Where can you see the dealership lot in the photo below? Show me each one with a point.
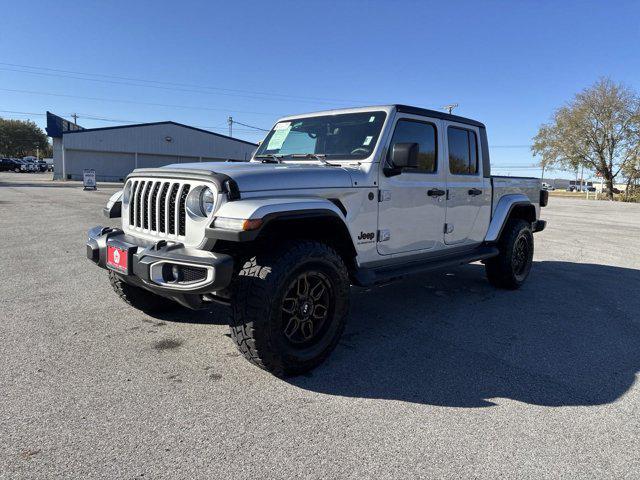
(436, 376)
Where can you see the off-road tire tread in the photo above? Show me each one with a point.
(498, 269)
(253, 298)
(138, 297)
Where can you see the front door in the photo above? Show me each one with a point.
(468, 193)
(412, 204)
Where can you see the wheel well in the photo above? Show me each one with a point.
(524, 212)
(329, 229)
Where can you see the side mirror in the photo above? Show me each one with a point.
(403, 155)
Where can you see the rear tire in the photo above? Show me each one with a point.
(289, 307)
(139, 297)
(511, 267)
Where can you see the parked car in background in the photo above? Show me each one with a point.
(32, 165)
(42, 165)
(12, 165)
(615, 190)
(546, 186)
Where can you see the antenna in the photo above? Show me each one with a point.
(450, 107)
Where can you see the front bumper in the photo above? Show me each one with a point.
(200, 272)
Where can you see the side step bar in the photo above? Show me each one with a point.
(366, 277)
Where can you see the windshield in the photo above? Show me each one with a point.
(347, 136)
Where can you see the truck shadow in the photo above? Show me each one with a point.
(570, 336)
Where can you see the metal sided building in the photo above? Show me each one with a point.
(113, 152)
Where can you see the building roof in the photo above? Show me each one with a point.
(57, 125)
(135, 125)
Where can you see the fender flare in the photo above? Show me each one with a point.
(270, 209)
(114, 205)
(501, 214)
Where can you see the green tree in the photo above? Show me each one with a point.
(631, 172)
(19, 138)
(599, 129)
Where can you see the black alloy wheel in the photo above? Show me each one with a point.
(305, 308)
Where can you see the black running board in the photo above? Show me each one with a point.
(366, 277)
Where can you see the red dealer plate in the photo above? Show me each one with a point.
(117, 259)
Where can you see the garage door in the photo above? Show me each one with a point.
(108, 165)
(151, 161)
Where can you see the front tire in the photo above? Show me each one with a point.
(290, 306)
(139, 297)
(511, 267)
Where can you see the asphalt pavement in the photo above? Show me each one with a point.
(437, 376)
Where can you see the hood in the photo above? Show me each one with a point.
(255, 176)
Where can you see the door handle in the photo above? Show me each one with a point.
(475, 191)
(435, 192)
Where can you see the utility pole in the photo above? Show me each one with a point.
(230, 122)
(75, 118)
(450, 107)
(582, 178)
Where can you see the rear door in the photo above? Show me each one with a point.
(411, 208)
(468, 192)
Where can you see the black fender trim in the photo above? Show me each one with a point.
(538, 225)
(250, 235)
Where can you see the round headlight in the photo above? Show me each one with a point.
(201, 202)
(207, 201)
(126, 194)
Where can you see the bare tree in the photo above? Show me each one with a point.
(598, 129)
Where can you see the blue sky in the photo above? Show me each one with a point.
(508, 64)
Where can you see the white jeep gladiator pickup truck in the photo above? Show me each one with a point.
(331, 199)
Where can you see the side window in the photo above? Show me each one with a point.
(463, 151)
(422, 133)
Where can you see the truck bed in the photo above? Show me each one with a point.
(529, 186)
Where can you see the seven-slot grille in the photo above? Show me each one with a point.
(158, 207)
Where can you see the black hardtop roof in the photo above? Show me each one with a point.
(437, 114)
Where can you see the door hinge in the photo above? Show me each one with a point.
(384, 195)
(384, 235)
(448, 228)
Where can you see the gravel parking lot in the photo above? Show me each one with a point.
(437, 376)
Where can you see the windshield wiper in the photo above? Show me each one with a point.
(317, 156)
(270, 158)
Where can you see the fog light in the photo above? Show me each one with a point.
(171, 273)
